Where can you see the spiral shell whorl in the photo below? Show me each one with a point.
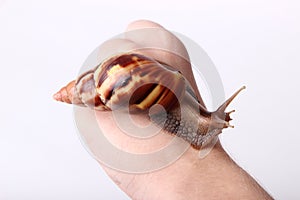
(138, 82)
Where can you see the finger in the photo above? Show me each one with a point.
(115, 46)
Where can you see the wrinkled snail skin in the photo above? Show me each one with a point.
(140, 82)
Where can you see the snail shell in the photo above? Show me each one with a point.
(140, 82)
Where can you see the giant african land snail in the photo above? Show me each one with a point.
(137, 81)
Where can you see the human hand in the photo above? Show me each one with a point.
(213, 177)
(188, 177)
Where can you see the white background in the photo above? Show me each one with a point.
(43, 44)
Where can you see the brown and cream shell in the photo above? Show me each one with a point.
(139, 82)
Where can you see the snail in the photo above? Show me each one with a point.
(140, 82)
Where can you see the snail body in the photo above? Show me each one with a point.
(139, 82)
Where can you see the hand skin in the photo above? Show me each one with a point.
(216, 176)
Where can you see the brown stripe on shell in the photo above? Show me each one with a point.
(127, 59)
(149, 78)
(141, 93)
(85, 86)
(122, 61)
(116, 72)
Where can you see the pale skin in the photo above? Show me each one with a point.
(216, 176)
